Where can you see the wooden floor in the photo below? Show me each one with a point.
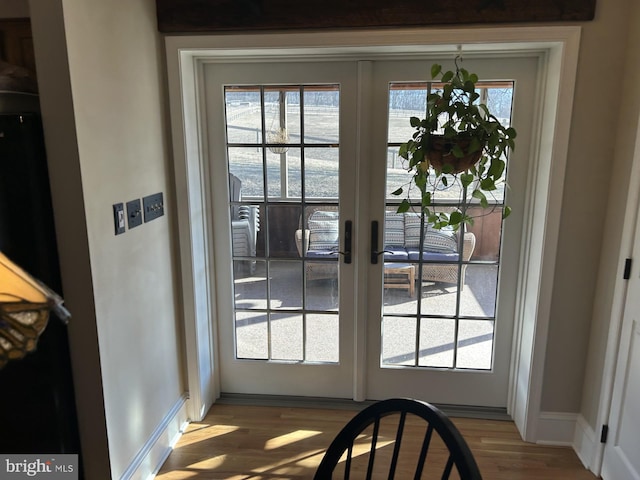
(237, 442)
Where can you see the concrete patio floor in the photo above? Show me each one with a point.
(285, 334)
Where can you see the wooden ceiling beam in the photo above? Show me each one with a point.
(201, 16)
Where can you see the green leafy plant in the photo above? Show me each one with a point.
(458, 142)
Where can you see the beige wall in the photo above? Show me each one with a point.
(594, 122)
(623, 132)
(107, 141)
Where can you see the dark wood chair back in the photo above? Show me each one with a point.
(399, 438)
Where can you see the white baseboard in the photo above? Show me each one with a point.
(587, 445)
(155, 451)
(571, 430)
(556, 428)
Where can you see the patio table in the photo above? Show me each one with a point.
(400, 275)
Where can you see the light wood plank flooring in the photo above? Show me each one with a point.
(237, 442)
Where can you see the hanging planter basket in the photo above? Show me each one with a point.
(277, 140)
(470, 141)
(440, 154)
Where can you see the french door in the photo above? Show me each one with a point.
(283, 135)
(450, 343)
(621, 451)
(303, 157)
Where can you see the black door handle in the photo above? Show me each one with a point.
(374, 244)
(348, 225)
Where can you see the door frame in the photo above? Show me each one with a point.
(557, 48)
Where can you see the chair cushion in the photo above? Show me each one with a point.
(395, 253)
(413, 255)
(393, 229)
(441, 241)
(323, 253)
(323, 230)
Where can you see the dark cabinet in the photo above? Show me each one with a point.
(37, 409)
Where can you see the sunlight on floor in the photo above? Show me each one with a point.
(198, 431)
(289, 438)
(209, 463)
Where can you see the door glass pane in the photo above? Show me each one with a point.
(406, 100)
(276, 176)
(438, 298)
(397, 174)
(252, 335)
(280, 227)
(398, 341)
(439, 285)
(321, 108)
(293, 172)
(284, 243)
(282, 117)
(322, 337)
(243, 115)
(286, 336)
(321, 285)
(285, 285)
(321, 172)
(475, 344)
(479, 295)
(246, 165)
(437, 341)
(250, 285)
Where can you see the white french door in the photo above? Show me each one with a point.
(451, 342)
(282, 133)
(622, 451)
(302, 154)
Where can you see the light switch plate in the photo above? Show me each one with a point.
(153, 206)
(134, 213)
(118, 218)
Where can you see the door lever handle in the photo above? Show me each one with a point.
(346, 255)
(374, 244)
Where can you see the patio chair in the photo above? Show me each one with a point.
(245, 224)
(319, 239)
(402, 241)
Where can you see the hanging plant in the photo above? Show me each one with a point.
(277, 140)
(458, 142)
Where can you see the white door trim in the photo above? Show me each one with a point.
(196, 258)
(540, 236)
(560, 46)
